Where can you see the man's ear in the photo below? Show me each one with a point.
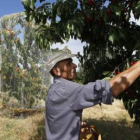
(57, 71)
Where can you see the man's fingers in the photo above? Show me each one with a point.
(84, 124)
(82, 130)
(85, 129)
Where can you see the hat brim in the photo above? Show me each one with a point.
(51, 64)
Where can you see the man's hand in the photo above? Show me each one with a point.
(84, 127)
(89, 132)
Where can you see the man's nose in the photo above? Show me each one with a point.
(74, 65)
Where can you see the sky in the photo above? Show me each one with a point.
(8, 7)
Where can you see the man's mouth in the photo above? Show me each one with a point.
(73, 71)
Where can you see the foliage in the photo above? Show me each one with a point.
(21, 73)
(87, 20)
(80, 75)
(103, 24)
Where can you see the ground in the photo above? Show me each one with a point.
(112, 121)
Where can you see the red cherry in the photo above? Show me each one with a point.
(113, 0)
(118, 72)
(131, 95)
(90, 2)
(109, 12)
(125, 10)
(132, 63)
(88, 19)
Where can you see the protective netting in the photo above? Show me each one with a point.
(23, 80)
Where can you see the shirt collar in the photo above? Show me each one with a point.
(58, 79)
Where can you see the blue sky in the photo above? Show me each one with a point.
(10, 6)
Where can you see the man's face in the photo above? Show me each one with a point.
(67, 69)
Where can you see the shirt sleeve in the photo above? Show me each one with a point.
(84, 96)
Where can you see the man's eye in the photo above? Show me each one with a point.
(68, 63)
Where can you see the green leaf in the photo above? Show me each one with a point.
(127, 63)
(111, 38)
(25, 2)
(106, 72)
(137, 46)
(32, 5)
(106, 78)
(121, 33)
(41, 1)
(138, 6)
(137, 11)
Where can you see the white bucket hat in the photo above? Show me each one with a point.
(56, 57)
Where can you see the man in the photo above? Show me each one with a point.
(66, 99)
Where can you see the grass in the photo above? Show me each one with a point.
(113, 122)
(30, 128)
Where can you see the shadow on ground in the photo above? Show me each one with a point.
(110, 130)
(116, 130)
